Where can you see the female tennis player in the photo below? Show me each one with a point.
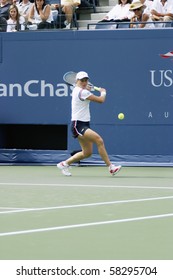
(80, 126)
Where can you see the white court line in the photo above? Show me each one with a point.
(86, 225)
(87, 204)
(84, 185)
(12, 208)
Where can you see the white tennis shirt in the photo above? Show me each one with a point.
(80, 109)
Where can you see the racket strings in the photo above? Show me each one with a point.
(70, 78)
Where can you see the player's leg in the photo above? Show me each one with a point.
(94, 137)
(86, 142)
(86, 152)
(78, 130)
(86, 146)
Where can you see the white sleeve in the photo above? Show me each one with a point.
(84, 94)
(170, 9)
(9, 26)
(154, 6)
(112, 13)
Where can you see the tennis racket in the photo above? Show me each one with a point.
(70, 79)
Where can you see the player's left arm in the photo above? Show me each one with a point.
(98, 99)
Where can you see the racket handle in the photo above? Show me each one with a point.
(97, 88)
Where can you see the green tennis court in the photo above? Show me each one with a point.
(91, 215)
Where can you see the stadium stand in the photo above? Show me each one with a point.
(87, 16)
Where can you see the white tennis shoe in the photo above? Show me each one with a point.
(64, 168)
(113, 169)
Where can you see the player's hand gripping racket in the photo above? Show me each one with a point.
(70, 79)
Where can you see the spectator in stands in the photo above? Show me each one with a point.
(15, 21)
(67, 7)
(162, 10)
(140, 18)
(4, 7)
(3, 24)
(40, 14)
(148, 4)
(24, 7)
(119, 13)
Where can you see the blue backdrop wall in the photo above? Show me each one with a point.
(130, 64)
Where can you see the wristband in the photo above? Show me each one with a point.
(103, 93)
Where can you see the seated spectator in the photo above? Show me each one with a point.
(3, 24)
(24, 8)
(162, 10)
(40, 15)
(68, 7)
(119, 13)
(4, 7)
(15, 21)
(140, 17)
(148, 4)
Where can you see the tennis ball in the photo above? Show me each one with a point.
(121, 116)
